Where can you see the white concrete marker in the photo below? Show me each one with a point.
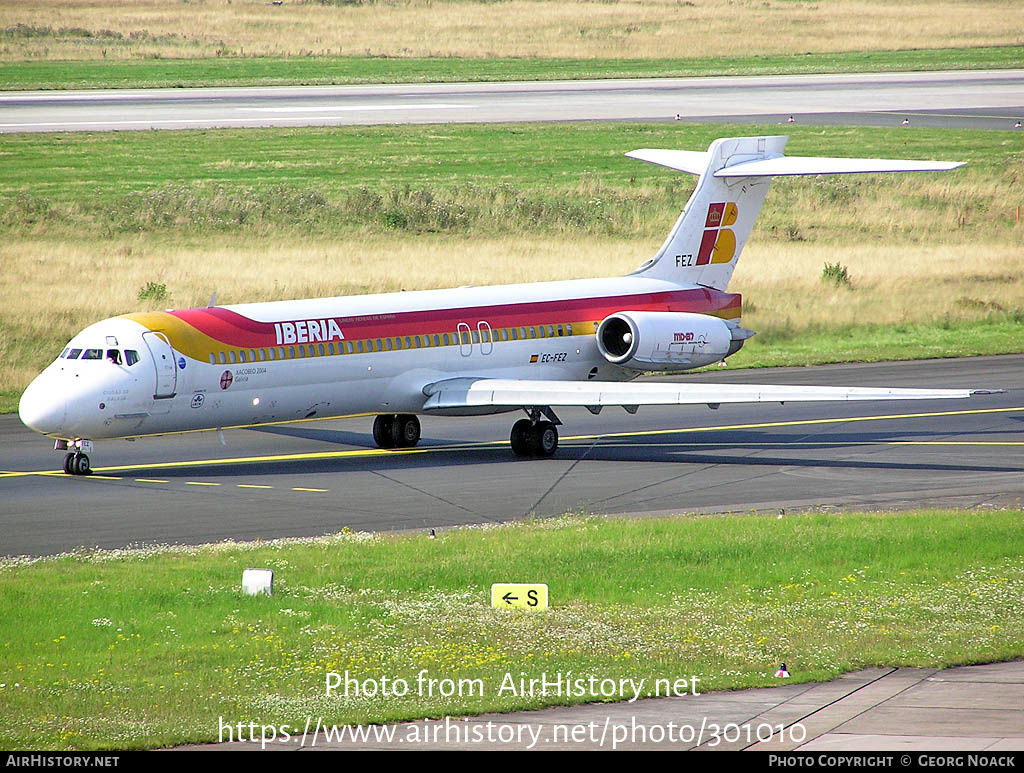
(256, 581)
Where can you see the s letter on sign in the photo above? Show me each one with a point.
(519, 595)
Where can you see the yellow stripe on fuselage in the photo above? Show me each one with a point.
(183, 337)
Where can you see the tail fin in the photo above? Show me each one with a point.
(735, 174)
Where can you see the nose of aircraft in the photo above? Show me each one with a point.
(43, 406)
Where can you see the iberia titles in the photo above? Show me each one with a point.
(307, 331)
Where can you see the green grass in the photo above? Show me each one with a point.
(9, 400)
(147, 648)
(188, 73)
(326, 179)
(782, 346)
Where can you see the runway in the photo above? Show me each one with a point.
(973, 99)
(318, 477)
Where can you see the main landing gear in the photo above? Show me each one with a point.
(396, 431)
(77, 464)
(533, 437)
(530, 437)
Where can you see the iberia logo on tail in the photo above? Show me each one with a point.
(719, 243)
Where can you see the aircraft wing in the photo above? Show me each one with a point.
(514, 393)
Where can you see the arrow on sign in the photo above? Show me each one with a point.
(519, 595)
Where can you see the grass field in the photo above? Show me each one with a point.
(314, 71)
(149, 647)
(632, 29)
(933, 261)
(148, 43)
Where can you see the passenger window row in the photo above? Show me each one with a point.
(369, 345)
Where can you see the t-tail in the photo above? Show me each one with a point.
(734, 175)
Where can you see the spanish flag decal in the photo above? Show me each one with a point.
(719, 243)
(534, 358)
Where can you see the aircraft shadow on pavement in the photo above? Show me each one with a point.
(718, 447)
(340, 437)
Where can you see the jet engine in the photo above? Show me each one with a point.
(666, 340)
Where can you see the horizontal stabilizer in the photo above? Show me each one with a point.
(696, 162)
(515, 393)
(691, 161)
(797, 165)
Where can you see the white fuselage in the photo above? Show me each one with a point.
(269, 362)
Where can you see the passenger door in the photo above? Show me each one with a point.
(163, 358)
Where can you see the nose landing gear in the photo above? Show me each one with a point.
(77, 460)
(77, 464)
(396, 431)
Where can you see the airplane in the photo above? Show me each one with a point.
(466, 351)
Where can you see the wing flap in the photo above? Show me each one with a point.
(512, 393)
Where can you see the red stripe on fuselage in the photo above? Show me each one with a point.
(236, 330)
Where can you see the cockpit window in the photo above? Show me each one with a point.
(73, 354)
(93, 354)
(130, 357)
(114, 356)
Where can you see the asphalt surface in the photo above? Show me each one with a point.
(975, 99)
(915, 712)
(317, 477)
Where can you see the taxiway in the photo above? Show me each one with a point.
(970, 99)
(318, 477)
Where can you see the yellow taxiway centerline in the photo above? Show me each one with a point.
(784, 444)
(496, 444)
(801, 423)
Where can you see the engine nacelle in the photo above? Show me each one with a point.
(667, 340)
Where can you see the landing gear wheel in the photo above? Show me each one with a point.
(408, 430)
(80, 465)
(69, 462)
(401, 431)
(522, 438)
(383, 431)
(545, 438)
